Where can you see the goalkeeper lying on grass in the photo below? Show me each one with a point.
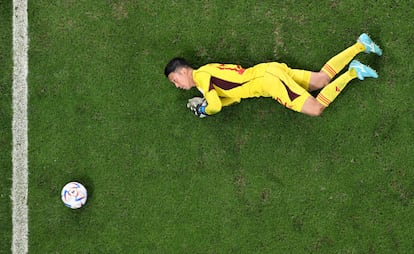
(225, 84)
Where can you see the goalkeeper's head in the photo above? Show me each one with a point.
(175, 65)
(179, 72)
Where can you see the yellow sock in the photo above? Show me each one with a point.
(338, 62)
(328, 94)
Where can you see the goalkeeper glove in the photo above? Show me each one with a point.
(193, 102)
(198, 106)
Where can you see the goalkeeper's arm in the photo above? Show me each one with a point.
(209, 105)
(213, 103)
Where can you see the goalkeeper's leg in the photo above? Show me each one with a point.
(315, 106)
(322, 78)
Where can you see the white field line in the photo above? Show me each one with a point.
(20, 128)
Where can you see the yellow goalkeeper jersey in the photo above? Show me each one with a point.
(225, 84)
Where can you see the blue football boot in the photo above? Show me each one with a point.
(370, 46)
(362, 70)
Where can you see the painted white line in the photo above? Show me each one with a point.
(20, 128)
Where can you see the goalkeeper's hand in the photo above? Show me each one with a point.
(193, 102)
(198, 106)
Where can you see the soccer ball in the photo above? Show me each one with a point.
(74, 195)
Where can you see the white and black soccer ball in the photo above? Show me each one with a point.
(74, 195)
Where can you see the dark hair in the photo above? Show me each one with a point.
(174, 64)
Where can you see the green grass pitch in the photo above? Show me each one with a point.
(256, 178)
(6, 69)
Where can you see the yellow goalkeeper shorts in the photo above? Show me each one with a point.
(287, 86)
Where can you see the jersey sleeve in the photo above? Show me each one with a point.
(213, 100)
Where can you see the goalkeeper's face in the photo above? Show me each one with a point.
(182, 78)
